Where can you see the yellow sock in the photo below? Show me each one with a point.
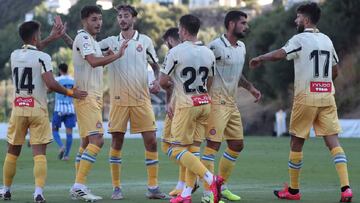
(188, 160)
(295, 163)
(165, 147)
(208, 159)
(86, 162)
(9, 169)
(115, 166)
(227, 163)
(190, 177)
(77, 159)
(340, 162)
(182, 173)
(152, 165)
(40, 170)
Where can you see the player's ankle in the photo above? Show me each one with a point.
(344, 188)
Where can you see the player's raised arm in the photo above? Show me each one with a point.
(57, 31)
(95, 61)
(271, 56)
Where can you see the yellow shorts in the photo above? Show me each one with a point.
(38, 126)
(224, 123)
(89, 116)
(142, 118)
(189, 124)
(324, 120)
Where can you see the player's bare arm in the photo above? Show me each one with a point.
(209, 83)
(155, 88)
(243, 82)
(271, 56)
(68, 40)
(57, 31)
(53, 85)
(102, 61)
(335, 69)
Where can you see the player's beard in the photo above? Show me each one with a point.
(300, 28)
(239, 35)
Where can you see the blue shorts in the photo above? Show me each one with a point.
(68, 119)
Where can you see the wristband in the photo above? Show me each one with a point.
(69, 92)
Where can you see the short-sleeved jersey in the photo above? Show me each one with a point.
(314, 56)
(63, 103)
(229, 66)
(128, 75)
(189, 65)
(86, 77)
(30, 92)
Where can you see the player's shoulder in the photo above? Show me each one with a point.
(82, 34)
(217, 42)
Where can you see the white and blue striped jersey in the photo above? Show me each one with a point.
(64, 104)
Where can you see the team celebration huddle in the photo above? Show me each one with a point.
(201, 83)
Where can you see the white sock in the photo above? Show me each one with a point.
(79, 186)
(153, 187)
(180, 185)
(223, 187)
(186, 191)
(208, 177)
(6, 188)
(38, 191)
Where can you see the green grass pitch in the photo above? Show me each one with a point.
(261, 168)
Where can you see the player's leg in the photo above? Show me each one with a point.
(115, 163)
(89, 116)
(301, 121)
(40, 170)
(70, 122)
(84, 142)
(327, 125)
(40, 137)
(182, 129)
(56, 124)
(9, 170)
(119, 117)
(233, 134)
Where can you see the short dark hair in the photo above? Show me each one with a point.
(311, 10)
(28, 29)
(171, 32)
(232, 16)
(86, 11)
(191, 23)
(127, 7)
(63, 67)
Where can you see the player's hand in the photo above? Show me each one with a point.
(58, 29)
(255, 62)
(155, 87)
(123, 46)
(79, 94)
(256, 93)
(169, 110)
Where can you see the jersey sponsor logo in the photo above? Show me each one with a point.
(201, 99)
(98, 125)
(320, 87)
(139, 48)
(24, 101)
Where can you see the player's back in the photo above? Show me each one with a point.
(314, 56)
(193, 63)
(27, 65)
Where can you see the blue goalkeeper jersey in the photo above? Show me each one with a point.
(64, 104)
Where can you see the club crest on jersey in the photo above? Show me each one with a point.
(98, 124)
(139, 48)
(86, 37)
(212, 131)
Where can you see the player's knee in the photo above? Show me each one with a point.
(151, 145)
(236, 145)
(213, 145)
